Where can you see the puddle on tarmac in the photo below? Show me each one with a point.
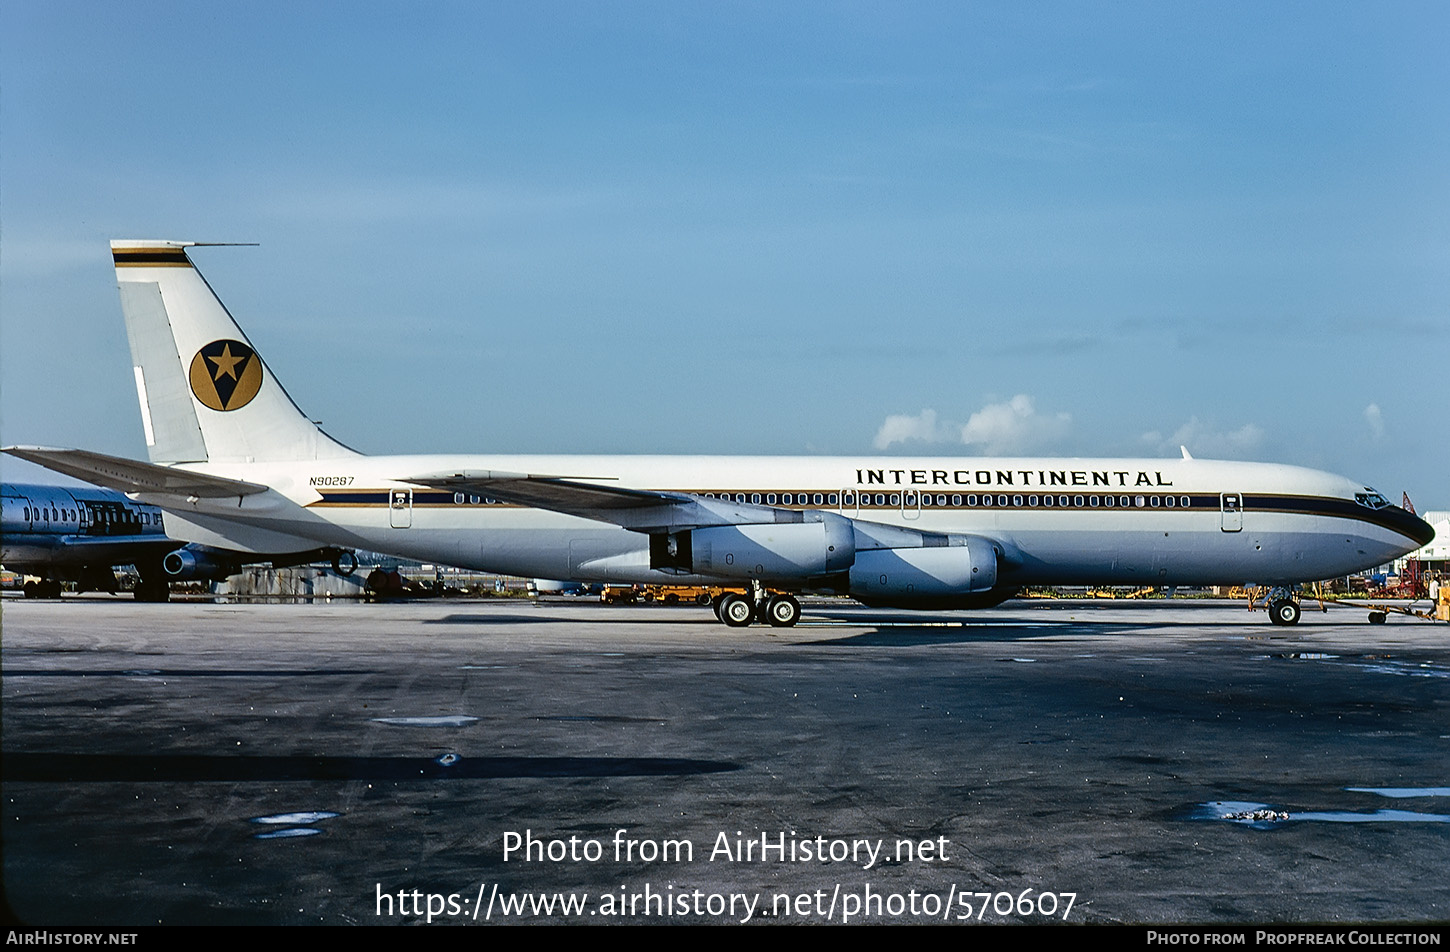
(280, 819)
(1261, 816)
(1411, 669)
(447, 760)
(1401, 793)
(444, 720)
(290, 822)
(288, 833)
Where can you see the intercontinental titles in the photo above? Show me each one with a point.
(1010, 477)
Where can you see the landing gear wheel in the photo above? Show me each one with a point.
(736, 610)
(344, 563)
(1284, 611)
(782, 611)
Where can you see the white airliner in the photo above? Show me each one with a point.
(236, 465)
(79, 533)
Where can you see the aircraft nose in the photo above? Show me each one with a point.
(1414, 527)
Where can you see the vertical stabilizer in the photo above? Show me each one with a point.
(205, 393)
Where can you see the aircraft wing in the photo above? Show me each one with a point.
(637, 509)
(133, 476)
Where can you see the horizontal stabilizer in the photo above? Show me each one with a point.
(131, 476)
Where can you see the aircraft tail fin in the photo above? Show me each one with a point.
(205, 393)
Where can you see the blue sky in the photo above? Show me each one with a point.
(844, 228)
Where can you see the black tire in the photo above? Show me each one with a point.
(782, 611)
(1285, 611)
(1378, 618)
(702, 599)
(736, 610)
(344, 563)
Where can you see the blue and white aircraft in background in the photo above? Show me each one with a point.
(236, 465)
(81, 533)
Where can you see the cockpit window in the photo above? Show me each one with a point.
(1371, 499)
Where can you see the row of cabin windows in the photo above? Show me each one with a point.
(38, 513)
(928, 500)
(957, 500)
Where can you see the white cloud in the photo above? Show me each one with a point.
(900, 428)
(1014, 426)
(1376, 420)
(1205, 440)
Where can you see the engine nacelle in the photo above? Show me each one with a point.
(792, 550)
(962, 574)
(190, 565)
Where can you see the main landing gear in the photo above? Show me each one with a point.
(1283, 607)
(738, 609)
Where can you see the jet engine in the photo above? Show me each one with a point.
(961, 574)
(190, 565)
(785, 551)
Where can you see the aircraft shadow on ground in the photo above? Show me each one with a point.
(190, 768)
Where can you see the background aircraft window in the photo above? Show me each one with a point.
(1016, 500)
(755, 498)
(896, 499)
(820, 498)
(1001, 500)
(458, 499)
(1032, 500)
(1108, 502)
(1140, 502)
(770, 499)
(956, 499)
(1124, 501)
(1154, 502)
(833, 499)
(986, 499)
(1093, 501)
(1184, 501)
(1077, 501)
(1169, 501)
(739, 497)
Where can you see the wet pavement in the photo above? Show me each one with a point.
(501, 761)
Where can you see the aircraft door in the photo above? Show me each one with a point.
(15, 514)
(1231, 512)
(911, 505)
(400, 508)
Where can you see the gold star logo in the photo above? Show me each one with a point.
(226, 375)
(226, 364)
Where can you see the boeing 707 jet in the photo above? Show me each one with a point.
(236, 465)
